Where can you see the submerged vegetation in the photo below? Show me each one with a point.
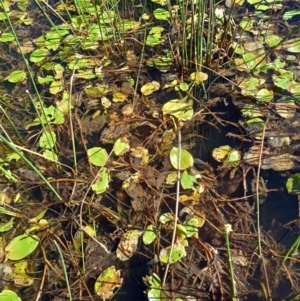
(110, 157)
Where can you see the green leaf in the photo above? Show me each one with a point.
(161, 14)
(8, 295)
(16, 76)
(290, 14)
(45, 80)
(107, 282)
(187, 181)
(7, 37)
(166, 217)
(149, 235)
(101, 184)
(56, 87)
(21, 246)
(121, 146)
(293, 184)
(97, 156)
(292, 45)
(38, 55)
(186, 159)
(7, 226)
(177, 253)
(47, 140)
(179, 108)
(149, 88)
(191, 226)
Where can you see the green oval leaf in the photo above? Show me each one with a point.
(8, 295)
(16, 76)
(149, 235)
(97, 156)
(186, 159)
(21, 246)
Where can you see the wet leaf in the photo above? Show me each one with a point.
(8, 295)
(56, 87)
(290, 14)
(286, 107)
(292, 45)
(19, 276)
(128, 244)
(161, 14)
(198, 77)
(102, 183)
(107, 282)
(178, 252)
(186, 159)
(97, 156)
(182, 109)
(21, 246)
(191, 226)
(7, 37)
(47, 140)
(50, 154)
(293, 184)
(220, 153)
(149, 235)
(16, 76)
(121, 146)
(264, 95)
(149, 88)
(38, 55)
(187, 181)
(166, 217)
(233, 158)
(6, 226)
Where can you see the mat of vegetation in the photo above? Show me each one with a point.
(104, 107)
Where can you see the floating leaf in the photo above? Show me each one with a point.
(233, 158)
(149, 88)
(161, 14)
(191, 226)
(97, 156)
(47, 140)
(166, 217)
(128, 244)
(186, 159)
(8, 295)
(21, 246)
(19, 277)
(286, 107)
(293, 184)
(38, 55)
(149, 235)
(198, 77)
(16, 76)
(56, 87)
(178, 252)
(107, 282)
(7, 37)
(7, 226)
(102, 182)
(121, 146)
(187, 181)
(292, 45)
(179, 108)
(220, 153)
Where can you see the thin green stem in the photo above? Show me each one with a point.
(64, 269)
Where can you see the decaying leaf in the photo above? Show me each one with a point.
(107, 282)
(128, 244)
